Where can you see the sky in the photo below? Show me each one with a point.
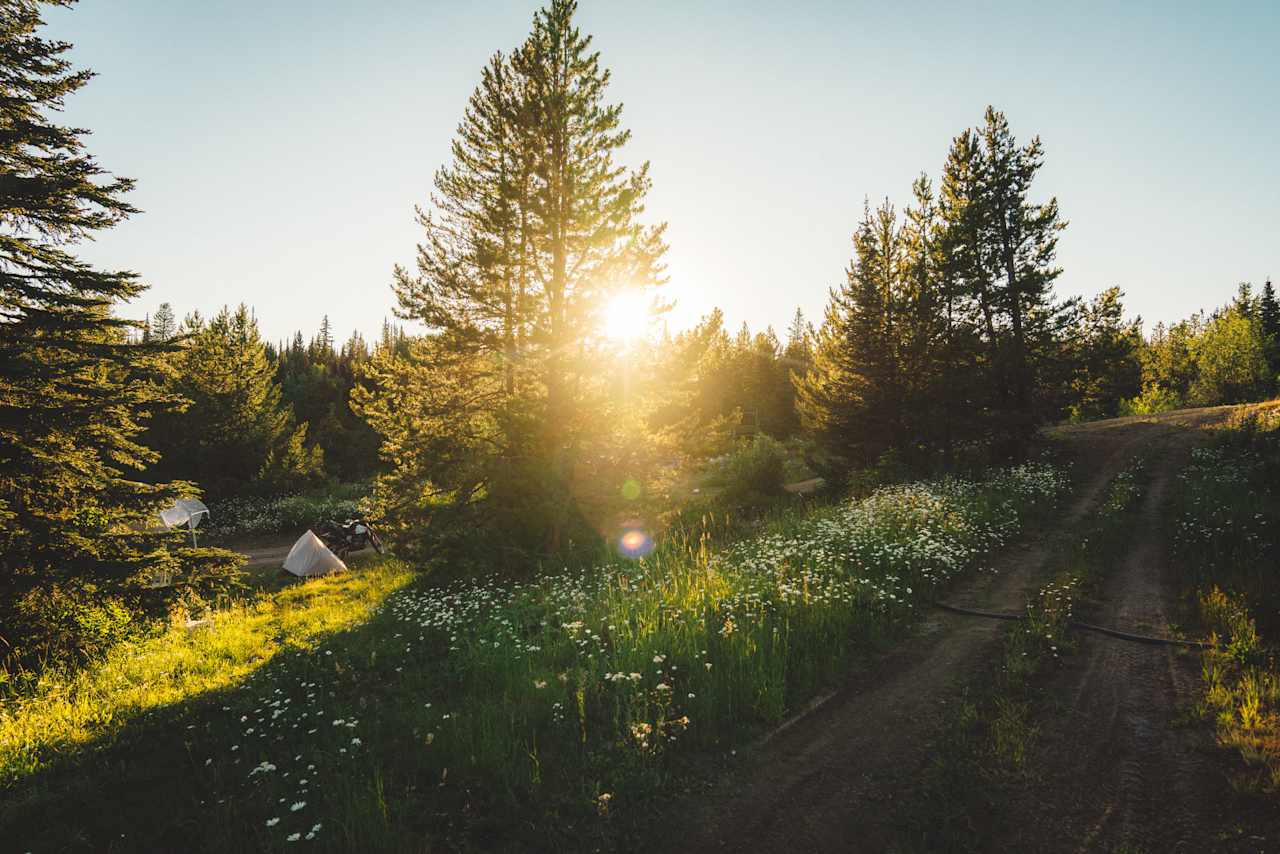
(280, 147)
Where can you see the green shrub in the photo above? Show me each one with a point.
(753, 474)
(66, 621)
(1154, 399)
(238, 517)
(1227, 618)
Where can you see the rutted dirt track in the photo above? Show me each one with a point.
(1122, 766)
(1119, 774)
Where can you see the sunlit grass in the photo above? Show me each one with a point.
(67, 710)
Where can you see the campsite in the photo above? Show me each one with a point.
(612, 427)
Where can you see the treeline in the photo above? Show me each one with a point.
(1229, 356)
(258, 418)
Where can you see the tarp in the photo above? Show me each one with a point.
(185, 513)
(309, 556)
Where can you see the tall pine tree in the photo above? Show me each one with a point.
(851, 398)
(1021, 239)
(74, 394)
(533, 228)
(1269, 321)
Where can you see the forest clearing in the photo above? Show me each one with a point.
(624, 685)
(588, 538)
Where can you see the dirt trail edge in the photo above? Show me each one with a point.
(827, 782)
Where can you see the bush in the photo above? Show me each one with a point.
(66, 621)
(753, 475)
(1154, 399)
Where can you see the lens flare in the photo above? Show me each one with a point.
(635, 543)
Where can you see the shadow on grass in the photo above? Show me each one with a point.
(166, 779)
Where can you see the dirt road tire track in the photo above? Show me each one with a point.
(828, 782)
(1122, 766)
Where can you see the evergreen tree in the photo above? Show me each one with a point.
(997, 270)
(850, 400)
(1269, 320)
(1269, 311)
(164, 325)
(1245, 302)
(799, 350)
(534, 228)
(321, 348)
(237, 435)
(1021, 240)
(74, 393)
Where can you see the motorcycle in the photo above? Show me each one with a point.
(348, 536)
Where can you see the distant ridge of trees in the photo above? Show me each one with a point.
(259, 418)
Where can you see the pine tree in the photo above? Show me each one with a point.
(1269, 311)
(799, 333)
(74, 393)
(1021, 240)
(237, 435)
(1269, 321)
(164, 325)
(850, 400)
(1245, 302)
(534, 228)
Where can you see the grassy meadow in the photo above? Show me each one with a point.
(372, 710)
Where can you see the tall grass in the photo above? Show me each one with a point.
(1227, 533)
(487, 709)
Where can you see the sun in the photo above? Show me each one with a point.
(626, 317)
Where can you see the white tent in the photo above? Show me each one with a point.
(309, 556)
(185, 513)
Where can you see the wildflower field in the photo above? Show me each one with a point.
(486, 714)
(254, 515)
(1227, 533)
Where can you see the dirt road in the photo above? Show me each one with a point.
(1120, 775)
(1122, 766)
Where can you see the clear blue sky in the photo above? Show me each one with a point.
(280, 146)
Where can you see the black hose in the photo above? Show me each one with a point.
(1129, 636)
